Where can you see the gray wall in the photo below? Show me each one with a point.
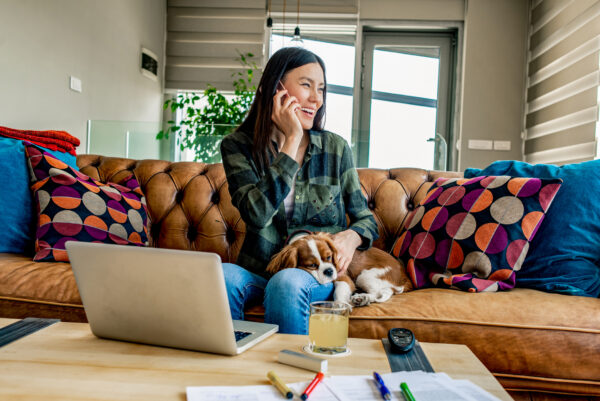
(43, 42)
(493, 90)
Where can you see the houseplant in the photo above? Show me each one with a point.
(204, 124)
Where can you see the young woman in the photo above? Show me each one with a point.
(286, 173)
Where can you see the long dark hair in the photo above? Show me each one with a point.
(259, 120)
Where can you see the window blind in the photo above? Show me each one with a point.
(328, 20)
(204, 37)
(561, 119)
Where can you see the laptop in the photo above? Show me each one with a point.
(160, 297)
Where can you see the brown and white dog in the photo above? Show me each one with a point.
(377, 273)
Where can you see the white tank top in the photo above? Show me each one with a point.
(288, 202)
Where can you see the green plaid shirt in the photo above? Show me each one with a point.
(326, 189)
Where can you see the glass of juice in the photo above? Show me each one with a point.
(328, 327)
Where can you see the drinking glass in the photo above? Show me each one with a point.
(328, 327)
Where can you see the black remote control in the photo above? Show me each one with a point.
(401, 340)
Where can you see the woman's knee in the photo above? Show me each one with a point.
(291, 280)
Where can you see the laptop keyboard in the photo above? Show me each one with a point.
(240, 334)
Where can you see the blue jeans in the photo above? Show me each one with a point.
(286, 296)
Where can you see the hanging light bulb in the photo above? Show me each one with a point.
(269, 19)
(297, 39)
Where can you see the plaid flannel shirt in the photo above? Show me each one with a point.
(326, 189)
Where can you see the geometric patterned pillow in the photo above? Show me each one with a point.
(473, 234)
(74, 207)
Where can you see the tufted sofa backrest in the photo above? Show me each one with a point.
(190, 206)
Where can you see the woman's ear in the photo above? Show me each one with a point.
(286, 258)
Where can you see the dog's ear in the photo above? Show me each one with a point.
(328, 238)
(286, 258)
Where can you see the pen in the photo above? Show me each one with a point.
(311, 386)
(283, 389)
(385, 393)
(406, 392)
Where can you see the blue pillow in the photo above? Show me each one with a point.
(17, 214)
(565, 252)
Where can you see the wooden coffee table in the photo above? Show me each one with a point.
(67, 362)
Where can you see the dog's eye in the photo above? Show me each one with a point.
(314, 266)
(328, 259)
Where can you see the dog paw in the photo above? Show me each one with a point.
(360, 299)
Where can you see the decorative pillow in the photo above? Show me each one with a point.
(74, 207)
(473, 234)
(18, 223)
(564, 257)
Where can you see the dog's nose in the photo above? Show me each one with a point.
(328, 272)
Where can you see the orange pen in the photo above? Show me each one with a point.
(311, 386)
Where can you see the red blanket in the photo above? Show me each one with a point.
(55, 140)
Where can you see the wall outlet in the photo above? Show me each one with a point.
(480, 144)
(75, 84)
(501, 145)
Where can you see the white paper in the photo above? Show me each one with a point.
(424, 386)
(323, 392)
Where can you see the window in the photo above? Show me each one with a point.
(406, 100)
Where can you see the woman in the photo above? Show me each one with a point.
(285, 173)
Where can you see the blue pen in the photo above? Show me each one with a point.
(385, 393)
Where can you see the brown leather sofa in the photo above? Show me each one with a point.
(533, 342)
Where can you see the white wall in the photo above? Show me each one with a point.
(43, 42)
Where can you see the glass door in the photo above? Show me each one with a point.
(405, 108)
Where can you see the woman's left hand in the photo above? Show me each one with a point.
(346, 243)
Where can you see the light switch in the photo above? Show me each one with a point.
(75, 84)
(501, 145)
(480, 144)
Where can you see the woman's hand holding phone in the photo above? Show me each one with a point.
(284, 114)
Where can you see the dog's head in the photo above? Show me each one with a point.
(314, 253)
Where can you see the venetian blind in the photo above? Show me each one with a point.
(204, 37)
(326, 20)
(561, 122)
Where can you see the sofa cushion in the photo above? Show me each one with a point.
(564, 254)
(473, 234)
(35, 289)
(18, 223)
(73, 207)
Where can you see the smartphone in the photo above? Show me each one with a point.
(280, 87)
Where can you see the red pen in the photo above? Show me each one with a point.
(311, 386)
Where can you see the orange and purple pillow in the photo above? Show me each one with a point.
(473, 234)
(74, 207)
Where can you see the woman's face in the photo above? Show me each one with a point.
(307, 84)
